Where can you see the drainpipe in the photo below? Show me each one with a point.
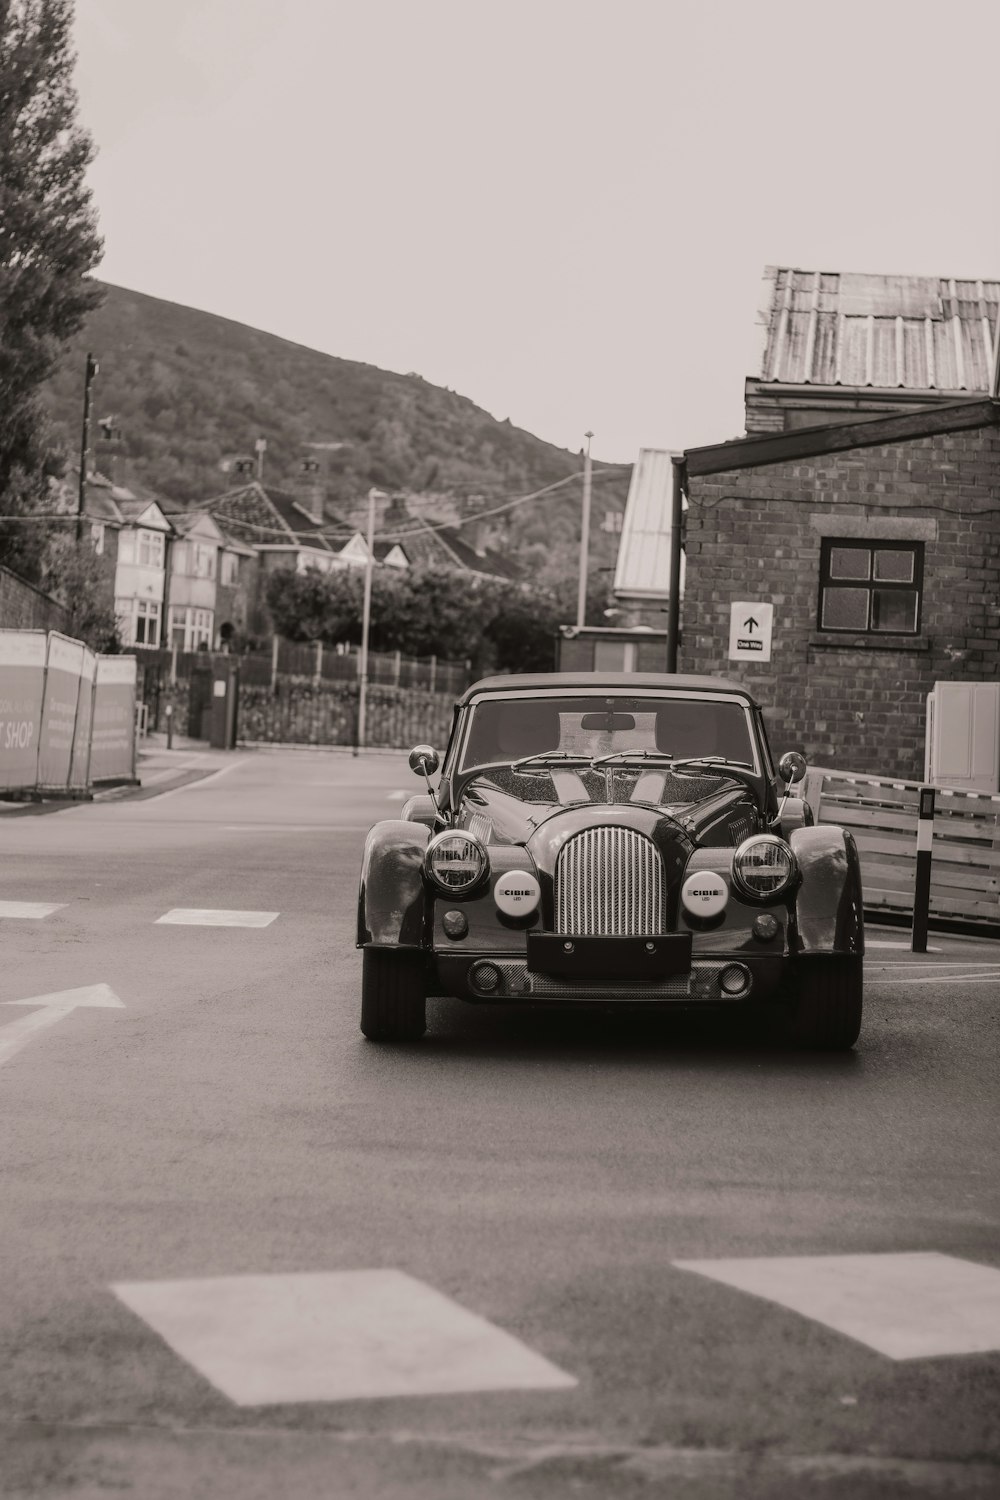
(674, 596)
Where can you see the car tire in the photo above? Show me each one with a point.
(393, 1001)
(828, 1015)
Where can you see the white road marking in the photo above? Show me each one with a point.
(945, 979)
(296, 827)
(944, 964)
(36, 909)
(52, 1008)
(913, 1305)
(396, 796)
(335, 1336)
(196, 786)
(905, 946)
(197, 916)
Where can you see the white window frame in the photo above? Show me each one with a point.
(150, 612)
(149, 548)
(203, 556)
(197, 625)
(229, 571)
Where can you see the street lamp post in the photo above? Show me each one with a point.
(366, 616)
(581, 593)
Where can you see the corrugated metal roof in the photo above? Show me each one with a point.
(888, 332)
(643, 568)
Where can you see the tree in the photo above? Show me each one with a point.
(522, 631)
(48, 245)
(74, 576)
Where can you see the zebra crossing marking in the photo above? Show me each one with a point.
(912, 1305)
(197, 916)
(334, 1336)
(33, 909)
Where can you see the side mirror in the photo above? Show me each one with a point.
(792, 767)
(424, 760)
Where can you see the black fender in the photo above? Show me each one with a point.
(419, 808)
(829, 911)
(392, 898)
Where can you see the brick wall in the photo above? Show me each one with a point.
(23, 607)
(850, 703)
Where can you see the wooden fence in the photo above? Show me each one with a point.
(882, 815)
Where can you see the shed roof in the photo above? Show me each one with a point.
(643, 567)
(887, 332)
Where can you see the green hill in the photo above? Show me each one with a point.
(188, 388)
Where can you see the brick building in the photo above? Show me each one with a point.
(878, 542)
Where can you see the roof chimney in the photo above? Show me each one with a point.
(309, 489)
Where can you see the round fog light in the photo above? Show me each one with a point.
(485, 977)
(455, 924)
(734, 980)
(765, 927)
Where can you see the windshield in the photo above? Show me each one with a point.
(502, 730)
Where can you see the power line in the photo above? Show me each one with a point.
(419, 529)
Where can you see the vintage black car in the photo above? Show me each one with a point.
(613, 839)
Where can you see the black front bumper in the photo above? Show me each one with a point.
(515, 983)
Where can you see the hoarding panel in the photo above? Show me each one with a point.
(59, 708)
(22, 684)
(112, 756)
(78, 776)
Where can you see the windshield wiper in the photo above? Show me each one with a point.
(716, 763)
(627, 755)
(545, 757)
(713, 760)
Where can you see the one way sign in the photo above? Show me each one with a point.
(750, 625)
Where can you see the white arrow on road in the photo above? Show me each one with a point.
(52, 1008)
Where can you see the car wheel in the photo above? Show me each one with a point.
(828, 1016)
(393, 1002)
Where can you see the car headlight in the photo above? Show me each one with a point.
(764, 867)
(456, 863)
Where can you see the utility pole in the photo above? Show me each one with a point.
(81, 494)
(366, 617)
(581, 593)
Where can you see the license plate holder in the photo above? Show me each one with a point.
(570, 957)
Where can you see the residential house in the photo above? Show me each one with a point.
(130, 534)
(443, 545)
(209, 585)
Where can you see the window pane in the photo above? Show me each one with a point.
(845, 609)
(894, 609)
(850, 562)
(895, 566)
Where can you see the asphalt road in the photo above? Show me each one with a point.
(545, 1173)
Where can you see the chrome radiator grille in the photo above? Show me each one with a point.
(609, 883)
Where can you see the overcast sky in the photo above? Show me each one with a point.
(559, 208)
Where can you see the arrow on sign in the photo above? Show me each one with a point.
(52, 1008)
(751, 625)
